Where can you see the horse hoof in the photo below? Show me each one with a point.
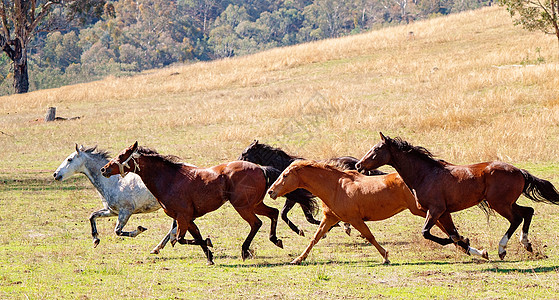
(348, 231)
(386, 262)
(529, 247)
(154, 251)
(209, 243)
(210, 263)
(502, 255)
(96, 242)
(296, 261)
(301, 232)
(173, 242)
(245, 254)
(279, 243)
(141, 229)
(484, 254)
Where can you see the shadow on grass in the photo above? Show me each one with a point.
(523, 270)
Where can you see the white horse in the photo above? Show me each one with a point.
(120, 196)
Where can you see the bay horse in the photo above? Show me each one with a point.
(347, 196)
(187, 192)
(121, 197)
(266, 155)
(441, 188)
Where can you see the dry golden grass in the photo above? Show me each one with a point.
(451, 88)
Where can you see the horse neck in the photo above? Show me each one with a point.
(412, 169)
(156, 174)
(319, 181)
(275, 158)
(92, 170)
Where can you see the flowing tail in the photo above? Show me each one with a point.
(539, 190)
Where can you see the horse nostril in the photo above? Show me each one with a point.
(358, 166)
(54, 174)
(103, 170)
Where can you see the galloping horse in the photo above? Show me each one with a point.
(347, 196)
(120, 196)
(267, 155)
(187, 192)
(441, 188)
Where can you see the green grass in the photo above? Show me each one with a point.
(46, 252)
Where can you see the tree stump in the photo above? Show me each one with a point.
(51, 114)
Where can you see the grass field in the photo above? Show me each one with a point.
(470, 87)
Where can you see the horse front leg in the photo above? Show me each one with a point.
(195, 232)
(446, 221)
(123, 217)
(171, 236)
(102, 213)
(327, 222)
(430, 221)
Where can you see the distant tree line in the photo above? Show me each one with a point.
(134, 35)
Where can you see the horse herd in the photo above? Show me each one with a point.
(352, 191)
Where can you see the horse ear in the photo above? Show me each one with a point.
(255, 142)
(135, 146)
(77, 149)
(382, 137)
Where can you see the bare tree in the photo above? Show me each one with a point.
(22, 19)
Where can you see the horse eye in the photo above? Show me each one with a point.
(70, 159)
(284, 175)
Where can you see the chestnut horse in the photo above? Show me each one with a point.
(441, 188)
(266, 155)
(347, 196)
(186, 192)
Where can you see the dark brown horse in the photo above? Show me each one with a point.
(441, 188)
(347, 196)
(186, 192)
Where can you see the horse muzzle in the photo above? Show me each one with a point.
(272, 194)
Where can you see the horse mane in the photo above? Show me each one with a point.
(328, 165)
(271, 156)
(277, 151)
(94, 151)
(172, 159)
(418, 151)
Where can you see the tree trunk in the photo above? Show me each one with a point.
(51, 114)
(21, 77)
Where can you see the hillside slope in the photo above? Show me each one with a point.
(454, 86)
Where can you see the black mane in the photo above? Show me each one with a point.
(418, 151)
(264, 154)
(173, 159)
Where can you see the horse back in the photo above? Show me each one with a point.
(244, 180)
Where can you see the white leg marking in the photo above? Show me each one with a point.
(503, 244)
(524, 239)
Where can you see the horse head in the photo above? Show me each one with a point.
(288, 181)
(73, 164)
(378, 156)
(123, 163)
(250, 152)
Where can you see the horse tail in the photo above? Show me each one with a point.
(271, 174)
(539, 190)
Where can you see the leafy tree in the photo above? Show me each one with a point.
(535, 15)
(22, 19)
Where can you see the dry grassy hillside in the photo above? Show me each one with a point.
(451, 87)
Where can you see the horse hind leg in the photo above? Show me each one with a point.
(286, 208)
(255, 224)
(102, 213)
(366, 233)
(123, 217)
(171, 236)
(272, 214)
(515, 214)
